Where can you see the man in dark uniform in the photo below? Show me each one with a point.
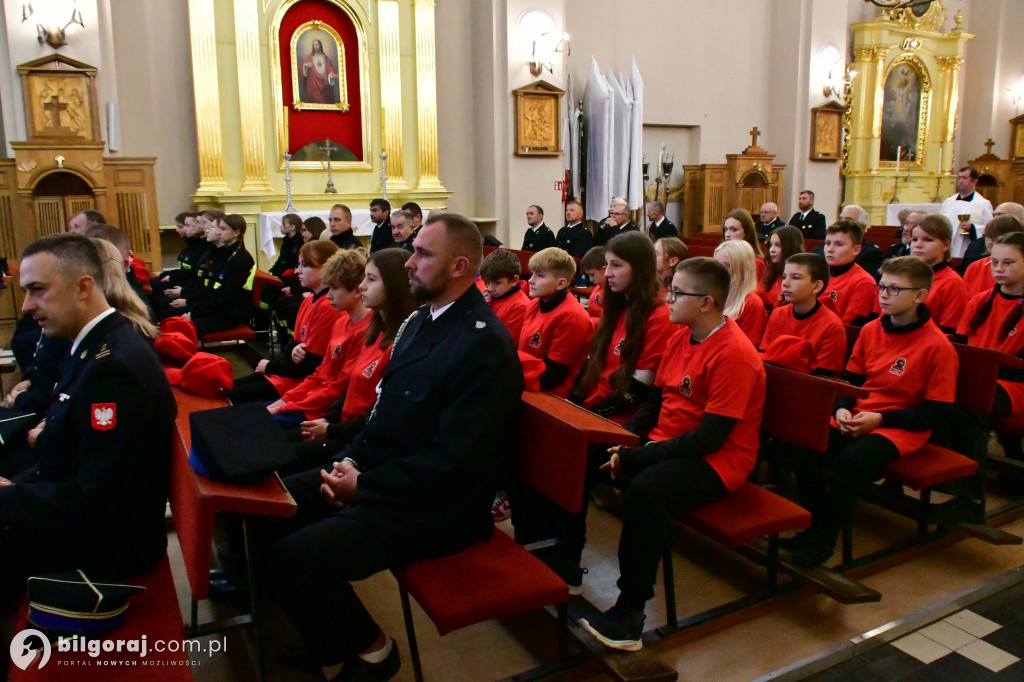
(340, 225)
(539, 236)
(768, 221)
(811, 222)
(420, 478)
(660, 226)
(94, 499)
(414, 210)
(402, 230)
(575, 237)
(380, 214)
(616, 223)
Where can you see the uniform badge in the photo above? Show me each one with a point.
(534, 340)
(63, 396)
(618, 347)
(480, 324)
(84, 355)
(597, 300)
(368, 372)
(898, 367)
(834, 295)
(686, 387)
(104, 416)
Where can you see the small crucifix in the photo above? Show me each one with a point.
(56, 109)
(989, 143)
(326, 149)
(754, 134)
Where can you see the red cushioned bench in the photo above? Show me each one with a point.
(153, 614)
(239, 333)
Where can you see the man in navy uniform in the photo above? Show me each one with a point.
(380, 214)
(539, 236)
(420, 478)
(812, 223)
(94, 499)
(575, 238)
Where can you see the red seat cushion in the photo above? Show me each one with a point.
(749, 513)
(153, 614)
(240, 333)
(493, 579)
(928, 467)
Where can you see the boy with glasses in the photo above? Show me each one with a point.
(909, 369)
(700, 423)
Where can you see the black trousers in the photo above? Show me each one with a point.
(656, 495)
(854, 462)
(253, 388)
(313, 557)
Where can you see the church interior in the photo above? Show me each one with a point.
(148, 108)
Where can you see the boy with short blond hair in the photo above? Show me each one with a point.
(500, 274)
(556, 328)
(909, 368)
(804, 278)
(851, 289)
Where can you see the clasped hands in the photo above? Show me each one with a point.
(339, 485)
(859, 424)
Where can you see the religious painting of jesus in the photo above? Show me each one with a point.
(318, 68)
(901, 114)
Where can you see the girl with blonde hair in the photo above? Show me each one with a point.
(744, 304)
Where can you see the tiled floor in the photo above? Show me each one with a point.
(983, 642)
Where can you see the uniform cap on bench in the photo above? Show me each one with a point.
(175, 347)
(75, 603)
(204, 374)
(791, 352)
(180, 325)
(238, 444)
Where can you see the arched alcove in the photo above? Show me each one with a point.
(57, 196)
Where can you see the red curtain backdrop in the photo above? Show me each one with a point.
(311, 126)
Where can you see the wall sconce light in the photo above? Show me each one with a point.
(54, 35)
(835, 76)
(535, 32)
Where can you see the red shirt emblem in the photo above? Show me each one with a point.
(103, 416)
(302, 333)
(898, 367)
(368, 372)
(336, 353)
(834, 295)
(534, 340)
(618, 347)
(686, 387)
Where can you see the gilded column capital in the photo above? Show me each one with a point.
(250, 97)
(207, 93)
(949, 63)
(426, 95)
(869, 54)
(390, 43)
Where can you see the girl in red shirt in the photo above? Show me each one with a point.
(668, 252)
(739, 226)
(385, 290)
(306, 349)
(744, 304)
(784, 242)
(992, 320)
(930, 242)
(978, 277)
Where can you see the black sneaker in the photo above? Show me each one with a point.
(812, 555)
(616, 628)
(358, 670)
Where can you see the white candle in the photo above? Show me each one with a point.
(899, 152)
(940, 160)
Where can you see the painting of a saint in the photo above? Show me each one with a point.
(318, 73)
(901, 114)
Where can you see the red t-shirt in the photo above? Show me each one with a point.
(313, 327)
(561, 335)
(753, 318)
(722, 375)
(987, 336)
(362, 385)
(947, 298)
(775, 293)
(903, 370)
(853, 293)
(978, 277)
(511, 309)
(595, 304)
(657, 330)
(759, 267)
(822, 328)
(330, 380)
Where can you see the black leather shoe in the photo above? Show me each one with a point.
(796, 542)
(961, 510)
(812, 555)
(224, 591)
(358, 670)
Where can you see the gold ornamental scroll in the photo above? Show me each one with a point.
(207, 94)
(391, 86)
(426, 94)
(250, 97)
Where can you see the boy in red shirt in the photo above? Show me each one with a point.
(850, 287)
(592, 265)
(909, 369)
(804, 277)
(556, 328)
(701, 423)
(500, 274)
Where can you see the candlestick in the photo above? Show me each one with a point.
(289, 207)
(899, 152)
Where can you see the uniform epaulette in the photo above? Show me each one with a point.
(103, 352)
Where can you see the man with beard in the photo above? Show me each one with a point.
(420, 478)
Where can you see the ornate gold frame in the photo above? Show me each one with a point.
(299, 105)
(543, 100)
(281, 113)
(923, 117)
(831, 114)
